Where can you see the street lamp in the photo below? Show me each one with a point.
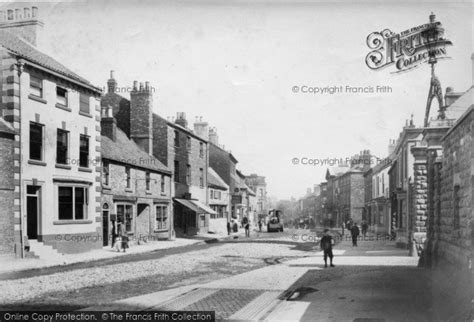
(432, 37)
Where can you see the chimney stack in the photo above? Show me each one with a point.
(22, 22)
(391, 146)
(141, 117)
(181, 119)
(213, 137)
(201, 128)
(108, 124)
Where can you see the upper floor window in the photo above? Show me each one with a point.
(36, 141)
(176, 171)
(62, 146)
(36, 86)
(84, 101)
(61, 95)
(188, 174)
(162, 184)
(176, 138)
(105, 173)
(147, 180)
(128, 176)
(201, 150)
(201, 177)
(84, 151)
(188, 143)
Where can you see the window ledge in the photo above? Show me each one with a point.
(82, 169)
(63, 166)
(106, 187)
(37, 98)
(37, 162)
(128, 190)
(148, 192)
(63, 107)
(72, 222)
(85, 114)
(161, 230)
(163, 194)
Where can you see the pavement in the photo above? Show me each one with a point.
(11, 264)
(374, 281)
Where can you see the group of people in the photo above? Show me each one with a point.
(119, 237)
(232, 226)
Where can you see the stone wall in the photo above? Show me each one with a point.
(7, 240)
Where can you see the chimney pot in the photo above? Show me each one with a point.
(141, 86)
(34, 12)
(147, 86)
(135, 85)
(111, 74)
(472, 60)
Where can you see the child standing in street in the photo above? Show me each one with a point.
(326, 245)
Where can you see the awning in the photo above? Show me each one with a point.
(195, 206)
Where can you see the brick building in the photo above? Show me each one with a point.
(56, 117)
(225, 165)
(183, 151)
(136, 187)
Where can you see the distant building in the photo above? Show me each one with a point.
(54, 164)
(259, 186)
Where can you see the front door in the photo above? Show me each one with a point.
(32, 211)
(105, 227)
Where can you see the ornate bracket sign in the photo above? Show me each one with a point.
(408, 49)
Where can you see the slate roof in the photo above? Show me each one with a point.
(126, 151)
(214, 180)
(461, 105)
(23, 49)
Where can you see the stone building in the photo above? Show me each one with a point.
(380, 216)
(56, 118)
(136, 187)
(401, 184)
(7, 190)
(183, 151)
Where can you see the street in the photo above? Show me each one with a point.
(272, 275)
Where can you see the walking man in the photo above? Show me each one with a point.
(354, 233)
(364, 227)
(326, 246)
(247, 229)
(260, 225)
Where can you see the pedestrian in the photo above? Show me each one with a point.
(114, 234)
(342, 226)
(260, 225)
(247, 229)
(326, 246)
(349, 225)
(354, 233)
(229, 228)
(124, 237)
(364, 227)
(235, 227)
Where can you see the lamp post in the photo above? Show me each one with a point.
(432, 37)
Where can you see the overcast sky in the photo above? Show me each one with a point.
(235, 63)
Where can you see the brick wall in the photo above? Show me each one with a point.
(457, 181)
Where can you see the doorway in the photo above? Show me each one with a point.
(32, 211)
(105, 225)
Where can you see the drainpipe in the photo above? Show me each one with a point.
(19, 67)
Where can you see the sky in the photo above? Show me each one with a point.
(235, 63)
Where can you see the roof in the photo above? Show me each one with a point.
(179, 127)
(126, 151)
(461, 105)
(195, 206)
(215, 181)
(23, 49)
(231, 156)
(5, 127)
